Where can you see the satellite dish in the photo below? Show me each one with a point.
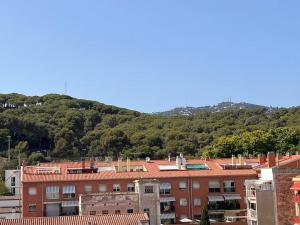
(147, 159)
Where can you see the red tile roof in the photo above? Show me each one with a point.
(116, 219)
(152, 168)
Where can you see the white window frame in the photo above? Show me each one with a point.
(130, 187)
(32, 191)
(52, 192)
(197, 201)
(183, 202)
(102, 188)
(116, 187)
(88, 188)
(196, 185)
(182, 185)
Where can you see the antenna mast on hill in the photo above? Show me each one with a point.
(65, 88)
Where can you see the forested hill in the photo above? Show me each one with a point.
(223, 106)
(59, 126)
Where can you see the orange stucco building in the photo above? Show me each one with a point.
(186, 186)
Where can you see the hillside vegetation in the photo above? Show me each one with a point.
(61, 127)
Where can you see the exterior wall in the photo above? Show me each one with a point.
(149, 201)
(189, 193)
(265, 207)
(17, 186)
(285, 207)
(108, 201)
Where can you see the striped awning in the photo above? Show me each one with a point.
(52, 189)
(69, 189)
(69, 203)
(167, 199)
(166, 216)
(215, 198)
(232, 197)
(164, 186)
(295, 186)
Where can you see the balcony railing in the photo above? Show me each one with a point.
(224, 207)
(167, 209)
(252, 213)
(229, 189)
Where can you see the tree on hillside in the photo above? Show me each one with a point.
(204, 217)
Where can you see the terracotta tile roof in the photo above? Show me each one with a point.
(116, 219)
(152, 168)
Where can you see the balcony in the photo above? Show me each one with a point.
(297, 220)
(223, 206)
(252, 214)
(167, 209)
(296, 198)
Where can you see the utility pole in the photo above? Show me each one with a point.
(9, 138)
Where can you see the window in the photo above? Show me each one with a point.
(182, 185)
(13, 181)
(214, 186)
(117, 211)
(32, 208)
(229, 186)
(52, 192)
(146, 210)
(130, 187)
(183, 202)
(197, 201)
(13, 191)
(102, 188)
(69, 191)
(116, 188)
(92, 212)
(148, 189)
(165, 188)
(196, 185)
(32, 191)
(104, 211)
(129, 210)
(88, 188)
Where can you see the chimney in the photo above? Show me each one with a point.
(261, 158)
(233, 160)
(82, 163)
(287, 154)
(240, 159)
(92, 163)
(271, 159)
(169, 157)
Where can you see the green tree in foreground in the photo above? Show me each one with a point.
(204, 217)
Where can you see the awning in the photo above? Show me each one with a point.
(164, 186)
(215, 198)
(52, 189)
(232, 197)
(69, 203)
(295, 186)
(70, 189)
(167, 216)
(167, 199)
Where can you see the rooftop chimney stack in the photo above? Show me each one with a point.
(233, 160)
(82, 163)
(261, 158)
(271, 159)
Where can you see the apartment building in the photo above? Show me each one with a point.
(295, 188)
(141, 196)
(269, 201)
(13, 181)
(186, 186)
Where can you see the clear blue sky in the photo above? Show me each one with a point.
(153, 55)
